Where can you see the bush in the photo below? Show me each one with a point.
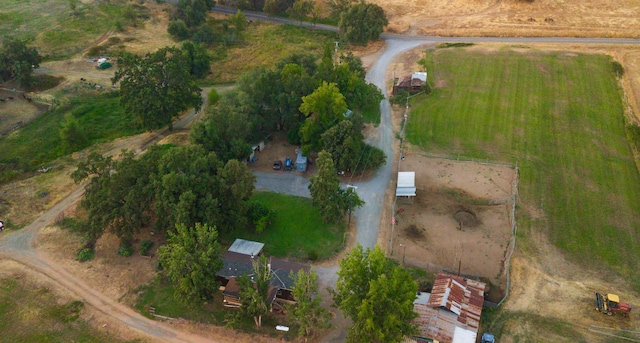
(145, 246)
(85, 254)
(179, 30)
(375, 158)
(260, 216)
(312, 255)
(617, 68)
(213, 97)
(204, 35)
(125, 251)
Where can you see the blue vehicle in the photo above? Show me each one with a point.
(288, 163)
(488, 338)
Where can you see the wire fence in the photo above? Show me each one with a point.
(514, 199)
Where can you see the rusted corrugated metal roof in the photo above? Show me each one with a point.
(454, 302)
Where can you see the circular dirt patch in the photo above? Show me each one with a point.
(467, 218)
(414, 232)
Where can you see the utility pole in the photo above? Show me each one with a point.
(404, 252)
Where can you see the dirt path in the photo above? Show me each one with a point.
(21, 246)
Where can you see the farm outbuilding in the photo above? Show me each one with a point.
(451, 312)
(406, 184)
(301, 163)
(245, 247)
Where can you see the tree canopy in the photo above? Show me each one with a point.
(362, 23)
(155, 88)
(17, 60)
(377, 295)
(191, 259)
(308, 311)
(331, 200)
(182, 185)
(254, 292)
(324, 108)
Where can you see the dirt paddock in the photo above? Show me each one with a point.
(459, 218)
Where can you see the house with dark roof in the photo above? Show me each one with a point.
(237, 264)
(451, 312)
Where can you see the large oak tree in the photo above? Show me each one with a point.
(155, 88)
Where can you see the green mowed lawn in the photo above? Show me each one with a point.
(297, 230)
(560, 117)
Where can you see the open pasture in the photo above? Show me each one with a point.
(559, 116)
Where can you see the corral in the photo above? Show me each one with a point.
(459, 219)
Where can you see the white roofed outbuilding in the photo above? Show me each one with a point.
(245, 247)
(406, 184)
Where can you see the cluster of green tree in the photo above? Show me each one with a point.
(189, 21)
(362, 22)
(359, 22)
(18, 61)
(377, 295)
(308, 100)
(155, 88)
(163, 188)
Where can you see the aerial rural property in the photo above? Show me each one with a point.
(319, 171)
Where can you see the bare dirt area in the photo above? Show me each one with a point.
(459, 218)
(15, 111)
(570, 18)
(277, 148)
(97, 319)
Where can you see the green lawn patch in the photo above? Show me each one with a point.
(31, 313)
(370, 113)
(297, 230)
(264, 45)
(99, 118)
(560, 117)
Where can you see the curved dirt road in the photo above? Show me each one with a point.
(20, 246)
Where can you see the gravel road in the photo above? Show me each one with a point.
(287, 183)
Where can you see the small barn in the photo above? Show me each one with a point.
(301, 162)
(412, 84)
(406, 184)
(451, 312)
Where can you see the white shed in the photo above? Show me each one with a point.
(406, 184)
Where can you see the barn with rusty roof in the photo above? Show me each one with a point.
(451, 312)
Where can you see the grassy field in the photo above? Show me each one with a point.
(558, 115)
(99, 118)
(34, 314)
(54, 27)
(297, 230)
(264, 45)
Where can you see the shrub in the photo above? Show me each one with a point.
(375, 158)
(312, 255)
(85, 254)
(204, 35)
(179, 30)
(145, 246)
(260, 216)
(617, 68)
(125, 251)
(213, 97)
